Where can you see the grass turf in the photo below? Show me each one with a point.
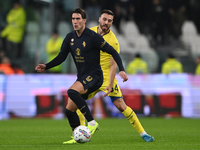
(114, 134)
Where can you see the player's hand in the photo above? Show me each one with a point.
(40, 67)
(108, 89)
(123, 75)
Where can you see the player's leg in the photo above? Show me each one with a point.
(79, 93)
(132, 118)
(76, 101)
(128, 113)
(76, 94)
(80, 115)
(118, 101)
(72, 118)
(72, 115)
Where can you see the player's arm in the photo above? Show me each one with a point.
(109, 49)
(58, 59)
(113, 69)
(55, 62)
(104, 46)
(64, 51)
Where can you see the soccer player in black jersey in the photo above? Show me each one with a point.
(84, 46)
(109, 68)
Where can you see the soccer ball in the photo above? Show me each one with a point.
(81, 134)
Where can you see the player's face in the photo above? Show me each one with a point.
(198, 60)
(78, 22)
(105, 21)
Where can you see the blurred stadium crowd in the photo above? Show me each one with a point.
(153, 28)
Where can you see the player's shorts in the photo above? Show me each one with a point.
(91, 82)
(114, 94)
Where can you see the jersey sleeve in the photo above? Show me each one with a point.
(64, 51)
(101, 44)
(115, 45)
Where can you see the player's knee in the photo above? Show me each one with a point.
(67, 112)
(120, 104)
(120, 108)
(71, 104)
(71, 93)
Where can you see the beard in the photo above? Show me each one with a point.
(104, 29)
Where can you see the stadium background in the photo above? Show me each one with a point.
(153, 95)
(148, 95)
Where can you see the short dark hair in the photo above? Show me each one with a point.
(16, 1)
(107, 11)
(137, 55)
(170, 55)
(55, 31)
(80, 11)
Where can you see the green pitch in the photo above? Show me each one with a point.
(114, 134)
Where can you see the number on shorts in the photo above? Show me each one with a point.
(116, 88)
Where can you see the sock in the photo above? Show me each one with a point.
(143, 133)
(80, 103)
(73, 119)
(92, 123)
(81, 117)
(133, 119)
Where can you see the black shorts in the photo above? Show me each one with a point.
(91, 83)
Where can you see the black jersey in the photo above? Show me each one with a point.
(85, 51)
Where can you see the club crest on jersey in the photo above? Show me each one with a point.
(72, 40)
(78, 51)
(84, 44)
